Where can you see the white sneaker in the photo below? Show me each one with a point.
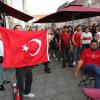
(61, 59)
(74, 63)
(31, 95)
(54, 55)
(56, 59)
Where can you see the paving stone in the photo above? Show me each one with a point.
(77, 95)
(52, 79)
(50, 92)
(65, 96)
(38, 86)
(51, 98)
(50, 84)
(38, 94)
(58, 85)
(61, 89)
(61, 83)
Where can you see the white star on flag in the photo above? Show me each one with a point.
(25, 48)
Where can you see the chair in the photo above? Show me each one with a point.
(85, 80)
(92, 93)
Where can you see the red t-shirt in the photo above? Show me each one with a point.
(91, 57)
(0, 37)
(77, 39)
(65, 39)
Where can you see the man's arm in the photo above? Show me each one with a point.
(80, 63)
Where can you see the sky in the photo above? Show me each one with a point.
(39, 7)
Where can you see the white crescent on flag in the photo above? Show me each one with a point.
(26, 48)
(37, 51)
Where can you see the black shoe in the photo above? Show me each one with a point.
(6, 82)
(63, 66)
(70, 65)
(2, 88)
(48, 70)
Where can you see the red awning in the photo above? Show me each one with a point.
(69, 13)
(13, 12)
(79, 8)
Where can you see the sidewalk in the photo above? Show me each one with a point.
(58, 85)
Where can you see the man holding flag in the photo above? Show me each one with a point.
(24, 76)
(22, 49)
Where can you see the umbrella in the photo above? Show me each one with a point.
(13, 12)
(69, 13)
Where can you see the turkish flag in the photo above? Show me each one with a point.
(24, 48)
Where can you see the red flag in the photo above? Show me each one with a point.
(24, 48)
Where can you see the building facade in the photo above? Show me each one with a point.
(88, 3)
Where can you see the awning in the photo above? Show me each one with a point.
(13, 12)
(70, 13)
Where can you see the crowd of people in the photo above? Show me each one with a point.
(80, 48)
(75, 47)
(67, 43)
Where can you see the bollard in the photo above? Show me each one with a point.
(16, 92)
(17, 96)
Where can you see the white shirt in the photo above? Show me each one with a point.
(86, 38)
(1, 48)
(98, 33)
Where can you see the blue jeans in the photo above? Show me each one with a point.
(2, 75)
(76, 53)
(92, 69)
(66, 56)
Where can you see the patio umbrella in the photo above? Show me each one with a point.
(69, 13)
(4, 8)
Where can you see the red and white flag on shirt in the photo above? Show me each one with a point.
(24, 48)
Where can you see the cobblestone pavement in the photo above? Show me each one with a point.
(58, 85)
